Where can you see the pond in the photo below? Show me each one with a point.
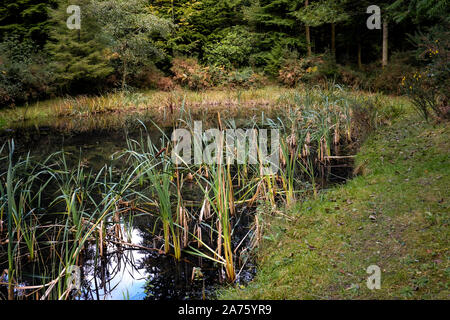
(136, 270)
(131, 250)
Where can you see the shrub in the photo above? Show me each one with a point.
(218, 75)
(351, 78)
(24, 74)
(189, 73)
(245, 78)
(388, 79)
(274, 50)
(165, 84)
(230, 48)
(307, 70)
(153, 78)
(428, 86)
(292, 72)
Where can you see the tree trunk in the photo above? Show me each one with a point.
(384, 60)
(124, 74)
(359, 56)
(333, 39)
(308, 41)
(308, 34)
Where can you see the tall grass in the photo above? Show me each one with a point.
(221, 201)
(156, 168)
(82, 201)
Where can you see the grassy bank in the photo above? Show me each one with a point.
(159, 104)
(112, 110)
(393, 214)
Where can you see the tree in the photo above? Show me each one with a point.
(384, 59)
(127, 27)
(230, 47)
(26, 18)
(24, 75)
(317, 13)
(308, 31)
(419, 10)
(187, 40)
(80, 58)
(199, 22)
(372, 41)
(278, 31)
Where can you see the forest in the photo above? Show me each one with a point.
(202, 44)
(98, 98)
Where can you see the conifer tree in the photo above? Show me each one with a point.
(25, 18)
(317, 13)
(80, 58)
(281, 32)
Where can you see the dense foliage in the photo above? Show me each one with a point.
(205, 43)
(23, 72)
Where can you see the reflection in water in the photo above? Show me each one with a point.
(127, 272)
(136, 274)
(117, 275)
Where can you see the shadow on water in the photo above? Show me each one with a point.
(88, 142)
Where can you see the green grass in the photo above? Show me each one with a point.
(393, 214)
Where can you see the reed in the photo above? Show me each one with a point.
(88, 200)
(288, 163)
(218, 192)
(155, 167)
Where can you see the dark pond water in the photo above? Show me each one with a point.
(141, 274)
(127, 272)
